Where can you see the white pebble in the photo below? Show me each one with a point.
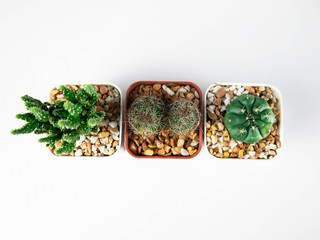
(216, 88)
(262, 88)
(113, 124)
(93, 139)
(233, 143)
(168, 90)
(194, 143)
(78, 153)
(94, 148)
(211, 108)
(184, 152)
(115, 136)
(252, 153)
(187, 88)
(78, 143)
(240, 91)
(210, 95)
(196, 94)
(226, 101)
(272, 146)
(101, 149)
(233, 87)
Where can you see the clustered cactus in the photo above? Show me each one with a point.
(183, 117)
(147, 116)
(249, 118)
(62, 120)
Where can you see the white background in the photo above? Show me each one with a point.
(47, 43)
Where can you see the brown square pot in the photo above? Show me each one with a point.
(126, 133)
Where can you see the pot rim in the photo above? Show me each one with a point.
(275, 90)
(126, 129)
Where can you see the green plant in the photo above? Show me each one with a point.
(65, 121)
(146, 115)
(249, 118)
(183, 117)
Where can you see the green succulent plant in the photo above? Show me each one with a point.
(62, 120)
(146, 115)
(183, 117)
(249, 118)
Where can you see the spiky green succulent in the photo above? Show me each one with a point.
(249, 118)
(62, 120)
(183, 117)
(146, 115)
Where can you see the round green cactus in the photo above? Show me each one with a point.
(249, 119)
(146, 115)
(184, 117)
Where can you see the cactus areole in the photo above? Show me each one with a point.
(249, 119)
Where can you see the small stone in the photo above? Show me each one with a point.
(180, 143)
(113, 130)
(144, 146)
(278, 143)
(212, 116)
(221, 92)
(115, 143)
(161, 152)
(104, 134)
(217, 101)
(190, 96)
(176, 150)
(159, 144)
(262, 145)
(226, 154)
(168, 90)
(184, 152)
(148, 152)
(194, 143)
(220, 126)
(171, 143)
(113, 124)
(251, 90)
(175, 88)
(133, 148)
(156, 87)
(166, 148)
(103, 89)
(78, 153)
(241, 153)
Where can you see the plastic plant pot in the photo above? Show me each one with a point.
(131, 88)
(252, 151)
(110, 101)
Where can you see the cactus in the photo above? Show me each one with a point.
(249, 119)
(65, 121)
(146, 115)
(183, 117)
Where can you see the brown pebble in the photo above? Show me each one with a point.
(212, 116)
(156, 87)
(221, 92)
(251, 90)
(217, 101)
(103, 89)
